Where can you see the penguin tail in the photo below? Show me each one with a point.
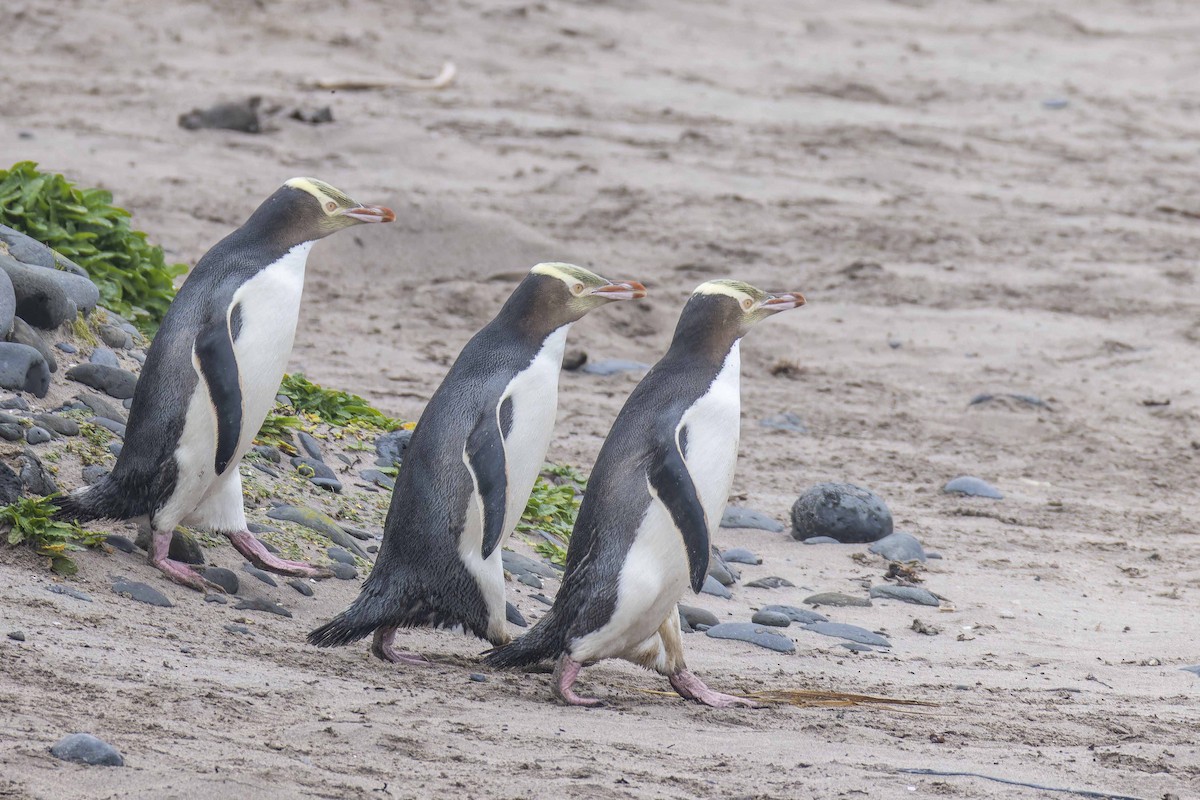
(104, 500)
(546, 639)
(364, 615)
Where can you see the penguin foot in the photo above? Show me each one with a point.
(565, 674)
(182, 574)
(382, 649)
(258, 555)
(692, 688)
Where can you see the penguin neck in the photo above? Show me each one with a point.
(697, 337)
(526, 317)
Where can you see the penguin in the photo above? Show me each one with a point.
(210, 378)
(657, 488)
(469, 470)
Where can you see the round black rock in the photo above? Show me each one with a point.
(775, 619)
(37, 435)
(341, 556)
(104, 357)
(842, 511)
(112, 381)
(227, 579)
(84, 748)
(343, 572)
(22, 367)
(390, 447)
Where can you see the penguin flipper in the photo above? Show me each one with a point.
(671, 481)
(218, 366)
(485, 453)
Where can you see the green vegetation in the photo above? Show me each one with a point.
(277, 430)
(31, 521)
(553, 509)
(332, 406)
(83, 225)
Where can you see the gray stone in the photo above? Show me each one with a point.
(104, 357)
(83, 748)
(740, 555)
(735, 517)
(268, 452)
(770, 582)
(753, 634)
(10, 485)
(67, 348)
(530, 580)
(46, 298)
(478, 677)
(855, 647)
(1009, 400)
(907, 594)
(713, 586)
(262, 604)
(852, 633)
(140, 592)
(697, 616)
(613, 366)
(836, 599)
(842, 511)
(63, 425)
(17, 402)
(390, 447)
(23, 368)
(17, 636)
(267, 469)
(184, 547)
(329, 484)
(23, 333)
(775, 619)
(9, 419)
(94, 473)
(102, 408)
(37, 435)
(113, 381)
(34, 475)
(821, 540)
(321, 523)
(358, 533)
(59, 588)
(787, 421)
(110, 425)
(234, 627)
(12, 431)
(28, 250)
(301, 586)
(378, 478)
(227, 579)
(310, 445)
(900, 546)
(541, 598)
(114, 337)
(262, 575)
(213, 597)
(122, 543)
(341, 556)
(800, 615)
(1195, 670)
(717, 568)
(972, 487)
(8, 304)
(312, 468)
(343, 572)
(518, 564)
(115, 448)
(514, 616)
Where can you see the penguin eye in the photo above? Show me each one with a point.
(747, 303)
(577, 289)
(331, 206)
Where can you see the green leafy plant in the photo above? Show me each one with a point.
(83, 225)
(30, 520)
(333, 406)
(553, 509)
(277, 430)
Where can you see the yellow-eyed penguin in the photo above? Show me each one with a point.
(660, 482)
(470, 467)
(211, 376)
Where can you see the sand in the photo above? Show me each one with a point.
(910, 166)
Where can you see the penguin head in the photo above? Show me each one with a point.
(564, 292)
(306, 209)
(735, 306)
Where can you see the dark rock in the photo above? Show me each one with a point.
(343, 572)
(775, 619)
(821, 540)
(227, 579)
(735, 517)
(321, 523)
(140, 592)
(23, 368)
(770, 582)
(234, 627)
(18, 403)
(753, 634)
(900, 546)
(530, 580)
(69, 591)
(212, 597)
(574, 359)
(34, 475)
(114, 337)
(112, 381)
(357, 533)
(717, 568)
(102, 408)
(713, 586)
(310, 445)
(800, 615)
(8, 304)
(697, 616)
(740, 555)
(9, 419)
(257, 603)
(120, 542)
(94, 473)
(907, 594)
(37, 435)
(518, 564)
(312, 468)
(115, 448)
(318, 115)
(23, 333)
(63, 425)
(104, 357)
(83, 748)
(541, 598)
(10, 485)
(478, 677)
(852, 633)
(262, 575)
(842, 511)
(341, 556)
(613, 366)
(268, 452)
(390, 447)
(110, 425)
(836, 599)
(12, 432)
(329, 484)
(25, 248)
(267, 470)
(46, 298)
(17, 636)
(184, 547)
(855, 647)
(787, 421)
(67, 347)
(514, 616)
(301, 586)
(972, 487)
(240, 116)
(1195, 670)
(378, 478)
(1009, 400)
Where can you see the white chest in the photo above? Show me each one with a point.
(713, 427)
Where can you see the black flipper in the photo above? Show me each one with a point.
(671, 481)
(485, 451)
(218, 365)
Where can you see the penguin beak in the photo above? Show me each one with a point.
(369, 214)
(782, 302)
(622, 290)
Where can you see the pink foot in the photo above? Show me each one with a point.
(261, 557)
(177, 571)
(565, 673)
(692, 688)
(382, 649)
